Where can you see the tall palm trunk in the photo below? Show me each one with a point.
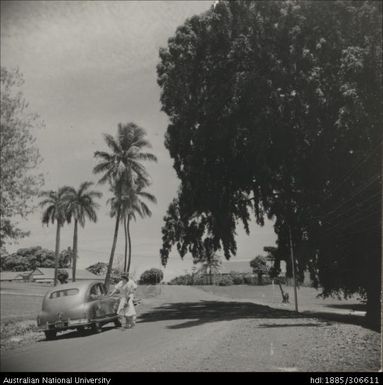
(109, 271)
(75, 242)
(130, 244)
(126, 244)
(57, 251)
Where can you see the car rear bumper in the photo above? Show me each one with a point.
(74, 324)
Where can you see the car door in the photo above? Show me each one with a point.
(105, 305)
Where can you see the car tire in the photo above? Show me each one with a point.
(97, 327)
(117, 323)
(50, 334)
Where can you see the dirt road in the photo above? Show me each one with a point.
(187, 329)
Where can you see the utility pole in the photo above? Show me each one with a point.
(293, 269)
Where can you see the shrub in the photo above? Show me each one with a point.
(199, 280)
(237, 278)
(62, 276)
(182, 280)
(225, 280)
(151, 277)
(266, 280)
(248, 279)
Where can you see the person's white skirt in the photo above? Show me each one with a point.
(126, 308)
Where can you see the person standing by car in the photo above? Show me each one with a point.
(130, 313)
(126, 289)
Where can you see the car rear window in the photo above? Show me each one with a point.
(63, 293)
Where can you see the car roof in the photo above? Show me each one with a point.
(81, 285)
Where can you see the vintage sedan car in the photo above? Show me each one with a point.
(78, 305)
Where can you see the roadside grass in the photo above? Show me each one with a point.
(10, 328)
(16, 333)
(19, 307)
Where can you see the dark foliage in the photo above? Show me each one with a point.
(275, 110)
(62, 276)
(151, 277)
(33, 257)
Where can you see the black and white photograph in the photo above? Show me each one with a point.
(191, 186)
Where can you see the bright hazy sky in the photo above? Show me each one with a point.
(88, 66)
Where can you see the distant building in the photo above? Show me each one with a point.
(46, 275)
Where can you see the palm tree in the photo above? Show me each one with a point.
(131, 204)
(79, 206)
(121, 168)
(54, 204)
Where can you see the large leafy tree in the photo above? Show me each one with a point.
(30, 258)
(54, 204)
(19, 157)
(275, 109)
(80, 205)
(122, 168)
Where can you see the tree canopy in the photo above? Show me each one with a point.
(33, 257)
(275, 110)
(19, 182)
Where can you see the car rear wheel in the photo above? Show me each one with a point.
(50, 334)
(97, 327)
(117, 323)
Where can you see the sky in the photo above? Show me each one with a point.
(88, 66)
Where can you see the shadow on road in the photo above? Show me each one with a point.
(197, 313)
(346, 306)
(342, 318)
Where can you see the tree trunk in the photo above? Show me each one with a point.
(373, 289)
(126, 244)
(75, 241)
(110, 265)
(57, 251)
(259, 278)
(130, 245)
